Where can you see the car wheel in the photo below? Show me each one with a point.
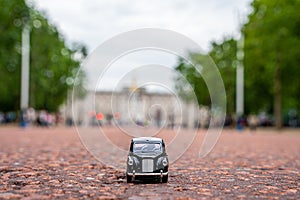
(165, 179)
(129, 178)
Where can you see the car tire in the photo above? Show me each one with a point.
(165, 179)
(128, 178)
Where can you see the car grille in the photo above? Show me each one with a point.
(147, 165)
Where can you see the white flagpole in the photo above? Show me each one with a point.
(25, 68)
(240, 71)
(240, 77)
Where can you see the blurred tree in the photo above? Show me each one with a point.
(224, 55)
(53, 65)
(272, 49)
(191, 82)
(13, 16)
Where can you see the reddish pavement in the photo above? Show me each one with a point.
(42, 163)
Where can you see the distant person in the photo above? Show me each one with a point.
(204, 117)
(24, 119)
(2, 118)
(171, 121)
(31, 115)
(42, 118)
(253, 122)
(293, 118)
(158, 118)
(241, 122)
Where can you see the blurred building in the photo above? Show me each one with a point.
(133, 105)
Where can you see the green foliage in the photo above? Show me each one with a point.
(13, 16)
(53, 65)
(224, 56)
(191, 82)
(272, 55)
(272, 49)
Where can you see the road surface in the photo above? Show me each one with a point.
(52, 163)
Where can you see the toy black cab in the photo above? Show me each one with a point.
(147, 159)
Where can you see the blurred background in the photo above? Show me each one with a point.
(255, 45)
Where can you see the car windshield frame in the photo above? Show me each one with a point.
(146, 147)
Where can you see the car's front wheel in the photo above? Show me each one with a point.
(128, 178)
(164, 179)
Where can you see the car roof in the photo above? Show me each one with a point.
(147, 139)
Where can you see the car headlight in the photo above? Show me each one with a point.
(130, 160)
(162, 161)
(165, 162)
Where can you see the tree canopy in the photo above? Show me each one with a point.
(272, 49)
(224, 56)
(53, 63)
(272, 57)
(12, 18)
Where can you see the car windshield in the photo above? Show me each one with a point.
(147, 148)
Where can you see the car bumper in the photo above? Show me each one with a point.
(147, 174)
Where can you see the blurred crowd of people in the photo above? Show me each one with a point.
(44, 118)
(290, 119)
(30, 116)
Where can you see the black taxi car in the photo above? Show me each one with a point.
(147, 159)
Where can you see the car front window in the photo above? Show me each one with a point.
(147, 147)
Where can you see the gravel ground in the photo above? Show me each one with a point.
(52, 163)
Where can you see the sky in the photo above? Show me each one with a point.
(93, 22)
